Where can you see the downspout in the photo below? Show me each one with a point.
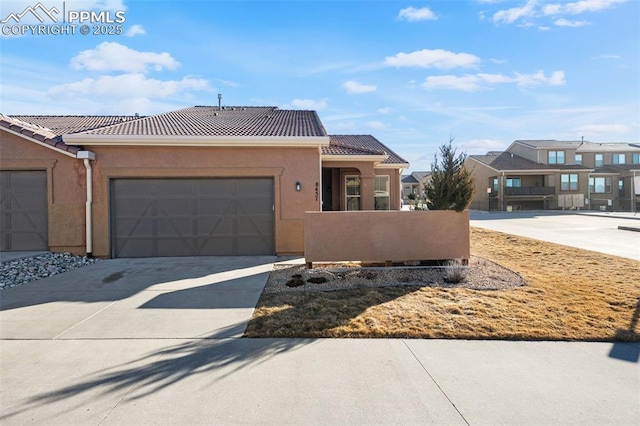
(87, 156)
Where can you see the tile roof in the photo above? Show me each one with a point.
(550, 143)
(228, 121)
(37, 132)
(360, 145)
(409, 179)
(609, 147)
(508, 162)
(65, 124)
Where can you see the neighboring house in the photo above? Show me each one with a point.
(414, 183)
(196, 181)
(550, 174)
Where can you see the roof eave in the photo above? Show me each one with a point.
(41, 143)
(346, 157)
(393, 166)
(209, 141)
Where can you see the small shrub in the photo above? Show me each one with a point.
(456, 271)
(295, 281)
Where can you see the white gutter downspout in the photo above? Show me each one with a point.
(87, 156)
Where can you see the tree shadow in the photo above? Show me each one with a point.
(628, 351)
(316, 314)
(165, 367)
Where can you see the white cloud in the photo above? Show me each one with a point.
(353, 87)
(376, 125)
(499, 61)
(509, 16)
(123, 86)
(308, 104)
(437, 58)
(112, 56)
(385, 110)
(567, 23)
(578, 7)
(412, 14)
(607, 56)
(481, 146)
(603, 128)
(475, 82)
(135, 30)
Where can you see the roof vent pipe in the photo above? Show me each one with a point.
(219, 101)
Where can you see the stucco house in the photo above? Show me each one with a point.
(202, 180)
(551, 174)
(414, 184)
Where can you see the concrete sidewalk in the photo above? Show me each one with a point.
(294, 381)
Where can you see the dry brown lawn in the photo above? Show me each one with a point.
(571, 294)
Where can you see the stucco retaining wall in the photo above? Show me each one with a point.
(386, 236)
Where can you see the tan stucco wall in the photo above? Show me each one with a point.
(65, 188)
(285, 165)
(380, 236)
(481, 174)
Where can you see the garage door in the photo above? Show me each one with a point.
(192, 217)
(23, 210)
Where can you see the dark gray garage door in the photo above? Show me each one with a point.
(192, 217)
(23, 210)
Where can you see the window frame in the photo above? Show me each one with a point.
(578, 162)
(635, 158)
(615, 159)
(570, 184)
(556, 156)
(606, 185)
(348, 197)
(513, 179)
(596, 161)
(377, 197)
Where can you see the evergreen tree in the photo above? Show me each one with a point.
(451, 186)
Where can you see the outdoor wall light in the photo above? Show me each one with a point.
(298, 186)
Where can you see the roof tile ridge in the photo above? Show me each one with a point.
(26, 124)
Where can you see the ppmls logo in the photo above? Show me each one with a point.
(53, 21)
(49, 13)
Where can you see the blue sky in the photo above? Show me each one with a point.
(411, 73)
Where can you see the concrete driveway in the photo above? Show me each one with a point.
(588, 231)
(167, 298)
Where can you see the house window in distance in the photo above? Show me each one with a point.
(579, 159)
(556, 157)
(569, 182)
(352, 192)
(599, 160)
(636, 158)
(381, 193)
(620, 188)
(600, 185)
(619, 159)
(513, 182)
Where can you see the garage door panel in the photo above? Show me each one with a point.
(23, 210)
(190, 217)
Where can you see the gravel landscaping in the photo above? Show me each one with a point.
(21, 271)
(481, 274)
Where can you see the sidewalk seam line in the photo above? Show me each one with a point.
(434, 381)
(84, 320)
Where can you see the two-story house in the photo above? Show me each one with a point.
(550, 174)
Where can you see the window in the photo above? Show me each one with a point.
(556, 157)
(620, 188)
(494, 185)
(569, 182)
(600, 185)
(513, 182)
(352, 192)
(636, 158)
(579, 159)
(381, 193)
(619, 158)
(599, 160)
